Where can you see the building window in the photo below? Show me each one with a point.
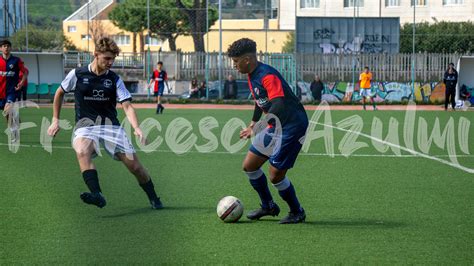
(419, 2)
(71, 29)
(122, 39)
(353, 3)
(453, 2)
(153, 40)
(389, 3)
(309, 3)
(85, 37)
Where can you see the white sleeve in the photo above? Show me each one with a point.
(122, 93)
(69, 83)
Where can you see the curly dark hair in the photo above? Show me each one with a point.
(241, 47)
(106, 44)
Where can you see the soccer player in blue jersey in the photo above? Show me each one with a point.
(96, 92)
(10, 83)
(286, 124)
(160, 77)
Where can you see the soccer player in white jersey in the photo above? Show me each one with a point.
(96, 91)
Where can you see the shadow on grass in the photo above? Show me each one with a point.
(363, 223)
(139, 211)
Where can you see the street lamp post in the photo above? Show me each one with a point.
(26, 25)
(413, 51)
(220, 65)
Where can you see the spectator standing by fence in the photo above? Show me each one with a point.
(230, 88)
(450, 80)
(317, 88)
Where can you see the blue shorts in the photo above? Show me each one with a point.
(283, 155)
(11, 98)
(159, 92)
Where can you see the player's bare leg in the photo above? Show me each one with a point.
(142, 176)
(85, 148)
(252, 167)
(373, 103)
(160, 106)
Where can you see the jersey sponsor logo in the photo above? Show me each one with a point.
(97, 95)
(107, 83)
(7, 73)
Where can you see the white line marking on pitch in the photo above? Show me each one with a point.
(416, 153)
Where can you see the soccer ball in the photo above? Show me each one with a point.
(230, 209)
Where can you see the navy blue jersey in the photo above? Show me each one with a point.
(266, 83)
(96, 96)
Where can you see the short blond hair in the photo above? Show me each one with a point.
(107, 44)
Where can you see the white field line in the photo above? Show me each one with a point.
(413, 152)
(301, 153)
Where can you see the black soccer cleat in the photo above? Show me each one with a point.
(162, 108)
(156, 204)
(294, 218)
(274, 210)
(93, 198)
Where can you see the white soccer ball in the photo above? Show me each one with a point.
(230, 209)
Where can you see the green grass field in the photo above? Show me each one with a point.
(366, 208)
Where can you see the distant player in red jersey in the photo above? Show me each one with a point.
(10, 83)
(159, 76)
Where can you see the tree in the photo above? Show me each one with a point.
(441, 37)
(131, 16)
(167, 22)
(196, 13)
(97, 29)
(41, 40)
(289, 45)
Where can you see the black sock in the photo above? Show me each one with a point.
(92, 180)
(149, 189)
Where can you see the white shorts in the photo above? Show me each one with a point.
(113, 139)
(365, 92)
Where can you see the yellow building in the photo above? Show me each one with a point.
(93, 16)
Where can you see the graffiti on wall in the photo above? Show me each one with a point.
(345, 92)
(370, 43)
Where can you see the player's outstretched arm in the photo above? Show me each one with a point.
(132, 118)
(57, 104)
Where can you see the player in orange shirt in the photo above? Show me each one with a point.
(365, 87)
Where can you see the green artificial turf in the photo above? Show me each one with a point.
(365, 208)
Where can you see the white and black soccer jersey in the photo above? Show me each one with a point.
(96, 96)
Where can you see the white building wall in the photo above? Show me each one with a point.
(433, 11)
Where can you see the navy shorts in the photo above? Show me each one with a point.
(11, 97)
(159, 92)
(286, 146)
